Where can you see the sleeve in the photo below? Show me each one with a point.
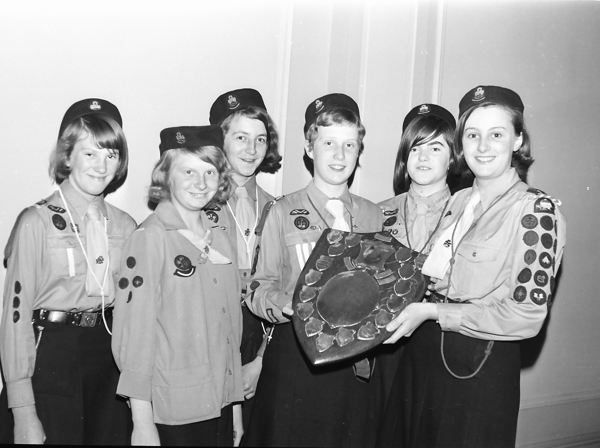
(20, 291)
(135, 318)
(516, 309)
(266, 294)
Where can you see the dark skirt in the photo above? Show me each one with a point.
(298, 404)
(75, 384)
(428, 407)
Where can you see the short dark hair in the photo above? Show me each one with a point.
(103, 133)
(272, 161)
(422, 130)
(521, 159)
(160, 189)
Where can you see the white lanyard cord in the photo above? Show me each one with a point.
(91, 270)
(246, 240)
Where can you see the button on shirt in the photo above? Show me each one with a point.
(175, 315)
(47, 269)
(506, 266)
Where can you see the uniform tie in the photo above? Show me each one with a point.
(336, 209)
(97, 252)
(246, 219)
(419, 233)
(438, 261)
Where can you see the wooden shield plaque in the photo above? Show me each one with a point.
(351, 287)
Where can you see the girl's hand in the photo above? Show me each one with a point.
(410, 318)
(144, 428)
(28, 427)
(250, 375)
(238, 424)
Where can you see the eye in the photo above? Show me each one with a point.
(351, 145)
(414, 149)
(188, 172)
(210, 173)
(241, 138)
(471, 135)
(436, 149)
(262, 140)
(497, 135)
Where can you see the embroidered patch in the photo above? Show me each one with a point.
(530, 256)
(547, 222)
(130, 262)
(555, 245)
(545, 260)
(547, 240)
(212, 216)
(520, 293)
(524, 276)
(531, 238)
(41, 202)
(541, 278)
(59, 222)
(552, 283)
(529, 221)
(390, 221)
(184, 266)
(16, 317)
(16, 302)
(390, 212)
(544, 205)
(538, 296)
(302, 223)
(299, 211)
(17, 287)
(56, 209)
(123, 283)
(137, 281)
(75, 228)
(100, 260)
(213, 207)
(129, 296)
(535, 191)
(254, 285)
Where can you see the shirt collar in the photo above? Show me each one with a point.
(250, 186)
(169, 216)
(79, 202)
(320, 199)
(492, 191)
(435, 202)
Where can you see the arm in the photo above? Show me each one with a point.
(238, 426)
(144, 429)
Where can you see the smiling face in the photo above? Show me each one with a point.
(92, 168)
(245, 146)
(193, 183)
(428, 164)
(489, 141)
(334, 152)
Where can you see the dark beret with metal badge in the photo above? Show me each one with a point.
(107, 110)
(190, 137)
(351, 287)
(232, 101)
(326, 103)
(428, 109)
(490, 94)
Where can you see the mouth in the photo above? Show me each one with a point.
(338, 168)
(198, 195)
(250, 161)
(423, 168)
(485, 159)
(98, 178)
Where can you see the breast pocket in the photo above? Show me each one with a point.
(115, 250)
(66, 256)
(475, 262)
(301, 244)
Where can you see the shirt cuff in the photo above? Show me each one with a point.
(135, 385)
(20, 393)
(449, 316)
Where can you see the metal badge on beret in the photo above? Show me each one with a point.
(490, 94)
(91, 106)
(431, 110)
(232, 101)
(325, 104)
(351, 287)
(190, 137)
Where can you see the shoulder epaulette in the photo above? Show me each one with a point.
(263, 216)
(535, 190)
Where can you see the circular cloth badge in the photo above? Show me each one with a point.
(520, 293)
(131, 262)
(531, 238)
(529, 221)
(59, 222)
(390, 221)
(301, 223)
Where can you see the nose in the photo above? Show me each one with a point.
(483, 145)
(339, 153)
(251, 148)
(423, 155)
(200, 182)
(101, 165)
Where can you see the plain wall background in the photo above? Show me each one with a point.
(163, 63)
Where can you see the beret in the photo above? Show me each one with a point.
(429, 110)
(325, 104)
(190, 137)
(490, 94)
(232, 101)
(89, 106)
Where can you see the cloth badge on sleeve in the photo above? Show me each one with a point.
(56, 209)
(544, 205)
(538, 296)
(299, 211)
(59, 222)
(390, 221)
(184, 266)
(212, 216)
(302, 223)
(390, 212)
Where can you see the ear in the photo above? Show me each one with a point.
(308, 149)
(518, 142)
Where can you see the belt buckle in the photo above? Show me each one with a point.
(88, 319)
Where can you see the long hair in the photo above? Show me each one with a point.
(160, 187)
(272, 161)
(421, 130)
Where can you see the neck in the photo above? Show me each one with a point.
(240, 180)
(425, 191)
(331, 191)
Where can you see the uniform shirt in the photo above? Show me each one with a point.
(291, 231)
(506, 266)
(47, 269)
(395, 222)
(177, 322)
(221, 216)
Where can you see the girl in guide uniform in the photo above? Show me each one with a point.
(426, 160)
(61, 378)
(496, 259)
(177, 314)
(250, 144)
(297, 404)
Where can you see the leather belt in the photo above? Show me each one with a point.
(86, 319)
(439, 298)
